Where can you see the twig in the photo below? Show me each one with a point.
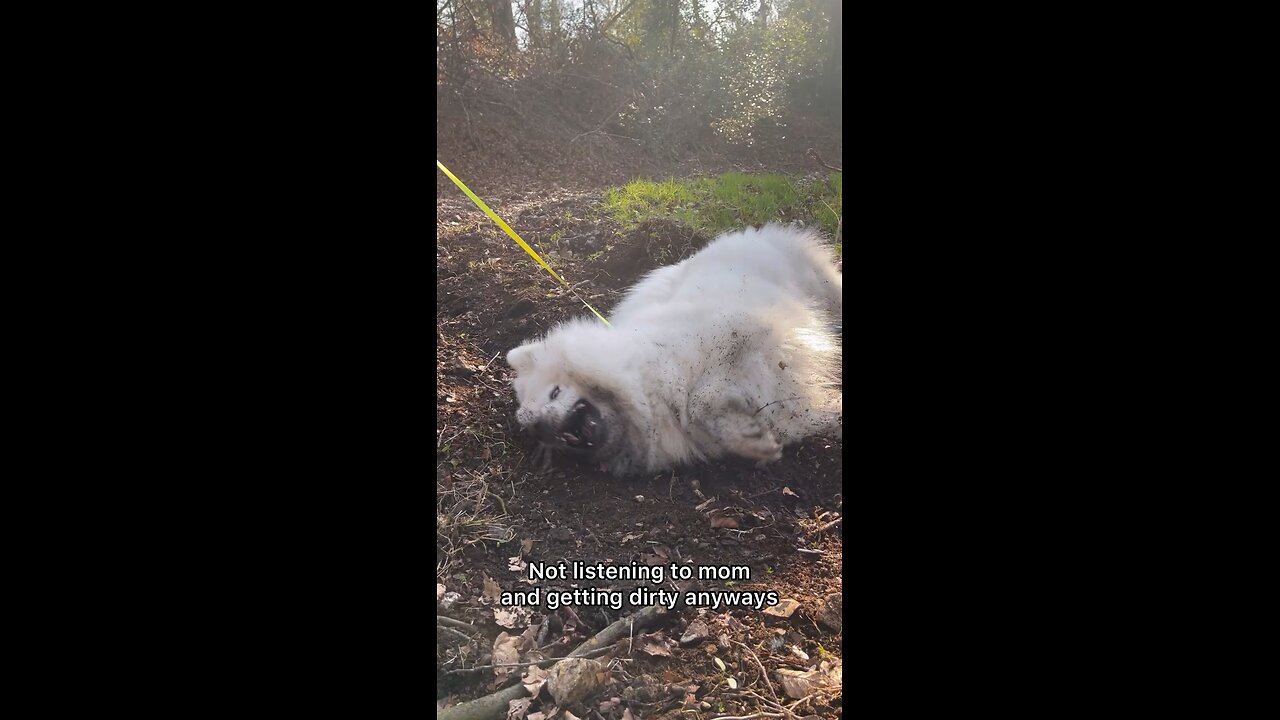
(769, 703)
(450, 622)
(828, 526)
(592, 654)
(813, 155)
(465, 637)
(763, 673)
(598, 131)
(839, 219)
(775, 402)
(792, 707)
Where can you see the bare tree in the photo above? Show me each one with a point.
(504, 22)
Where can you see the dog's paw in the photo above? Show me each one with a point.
(747, 437)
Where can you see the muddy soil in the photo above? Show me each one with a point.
(778, 521)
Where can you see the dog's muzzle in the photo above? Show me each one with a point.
(582, 429)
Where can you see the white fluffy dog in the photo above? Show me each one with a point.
(735, 350)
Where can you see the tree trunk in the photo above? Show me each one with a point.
(534, 15)
(835, 60)
(504, 22)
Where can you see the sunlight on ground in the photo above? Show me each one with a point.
(731, 201)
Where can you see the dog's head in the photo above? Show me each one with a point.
(563, 402)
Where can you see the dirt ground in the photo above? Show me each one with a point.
(497, 511)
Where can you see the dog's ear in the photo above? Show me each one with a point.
(522, 358)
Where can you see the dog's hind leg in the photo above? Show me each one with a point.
(746, 436)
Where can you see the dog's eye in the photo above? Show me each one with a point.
(555, 392)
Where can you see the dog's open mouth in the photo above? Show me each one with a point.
(583, 429)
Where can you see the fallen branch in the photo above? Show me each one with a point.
(450, 631)
(594, 653)
(450, 622)
(828, 526)
(495, 705)
(489, 706)
(813, 155)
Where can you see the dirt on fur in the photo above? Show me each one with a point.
(496, 512)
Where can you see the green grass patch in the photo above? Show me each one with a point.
(730, 201)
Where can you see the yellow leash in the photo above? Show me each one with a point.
(494, 216)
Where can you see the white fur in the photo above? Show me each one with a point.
(732, 351)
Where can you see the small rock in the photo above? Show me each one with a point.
(829, 612)
(572, 680)
(696, 631)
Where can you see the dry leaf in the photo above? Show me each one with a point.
(533, 680)
(439, 591)
(527, 638)
(491, 590)
(517, 564)
(626, 714)
(516, 709)
(719, 520)
(526, 546)
(514, 618)
(787, 491)
(655, 644)
(784, 608)
(799, 684)
(505, 651)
